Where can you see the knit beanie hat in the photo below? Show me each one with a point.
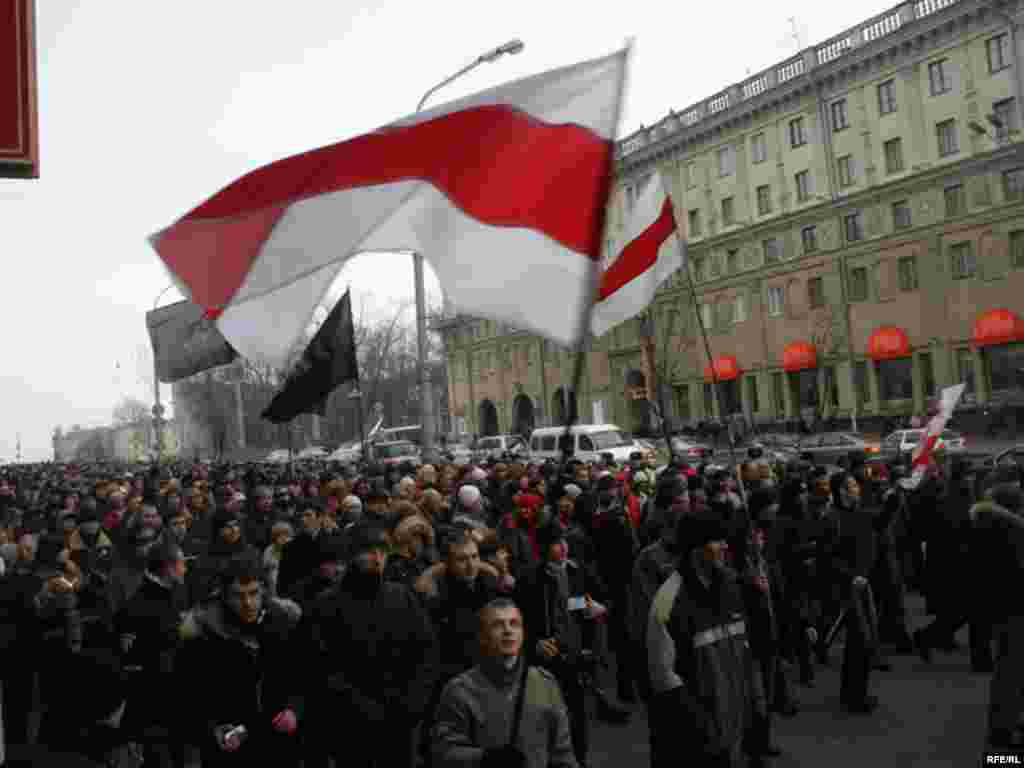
(469, 496)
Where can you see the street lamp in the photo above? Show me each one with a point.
(426, 390)
(356, 396)
(158, 409)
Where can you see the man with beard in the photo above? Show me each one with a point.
(147, 628)
(238, 663)
(488, 719)
(371, 657)
(707, 694)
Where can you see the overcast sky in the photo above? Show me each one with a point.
(147, 108)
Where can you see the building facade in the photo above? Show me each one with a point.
(855, 228)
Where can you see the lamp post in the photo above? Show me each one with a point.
(426, 390)
(158, 409)
(356, 396)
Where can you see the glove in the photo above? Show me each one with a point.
(285, 722)
(509, 756)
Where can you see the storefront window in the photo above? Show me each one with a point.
(805, 388)
(683, 403)
(709, 400)
(927, 374)
(860, 377)
(731, 396)
(1005, 368)
(896, 379)
(965, 372)
(779, 391)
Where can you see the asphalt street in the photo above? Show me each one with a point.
(929, 715)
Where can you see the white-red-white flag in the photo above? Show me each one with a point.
(503, 192)
(654, 249)
(923, 455)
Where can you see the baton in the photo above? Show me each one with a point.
(831, 636)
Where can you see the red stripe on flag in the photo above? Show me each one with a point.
(640, 254)
(498, 164)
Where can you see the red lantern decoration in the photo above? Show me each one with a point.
(799, 356)
(727, 368)
(888, 343)
(999, 326)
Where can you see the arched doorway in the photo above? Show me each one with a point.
(641, 414)
(563, 402)
(488, 419)
(523, 419)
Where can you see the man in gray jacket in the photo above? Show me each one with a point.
(477, 717)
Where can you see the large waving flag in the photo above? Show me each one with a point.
(503, 192)
(654, 250)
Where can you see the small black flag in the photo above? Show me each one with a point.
(329, 360)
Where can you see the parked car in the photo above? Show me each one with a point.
(829, 447)
(496, 446)
(460, 453)
(313, 452)
(278, 456)
(903, 442)
(589, 441)
(347, 453)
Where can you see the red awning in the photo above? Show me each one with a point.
(998, 326)
(726, 367)
(888, 343)
(799, 356)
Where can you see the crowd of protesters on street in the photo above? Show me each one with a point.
(456, 616)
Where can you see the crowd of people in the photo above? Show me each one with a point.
(481, 615)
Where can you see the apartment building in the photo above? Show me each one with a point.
(855, 227)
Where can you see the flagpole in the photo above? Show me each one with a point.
(656, 382)
(593, 277)
(714, 373)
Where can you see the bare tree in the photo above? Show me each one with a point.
(130, 410)
(825, 331)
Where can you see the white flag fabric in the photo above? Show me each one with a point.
(922, 457)
(654, 249)
(503, 192)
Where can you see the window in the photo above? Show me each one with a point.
(949, 143)
(716, 266)
(998, 53)
(854, 226)
(831, 386)
(803, 186)
(894, 155)
(691, 175)
(965, 370)
(839, 116)
(896, 379)
(758, 148)
(1013, 183)
(805, 388)
(772, 250)
(907, 269)
(739, 312)
(859, 284)
(775, 301)
(844, 168)
(887, 97)
(962, 257)
(779, 393)
(1004, 365)
(797, 133)
(901, 214)
(956, 203)
(694, 223)
(764, 200)
(725, 161)
(861, 383)
(723, 315)
(752, 398)
(1017, 249)
(700, 272)
(706, 316)
(732, 261)
(809, 237)
(728, 212)
(1005, 114)
(927, 374)
(709, 399)
(683, 402)
(938, 77)
(816, 293)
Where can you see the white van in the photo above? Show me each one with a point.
(589, 441)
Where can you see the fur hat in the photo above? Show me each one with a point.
(695, 530)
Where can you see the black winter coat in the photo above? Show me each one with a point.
(370, 652)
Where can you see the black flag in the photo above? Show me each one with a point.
(329, 360)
